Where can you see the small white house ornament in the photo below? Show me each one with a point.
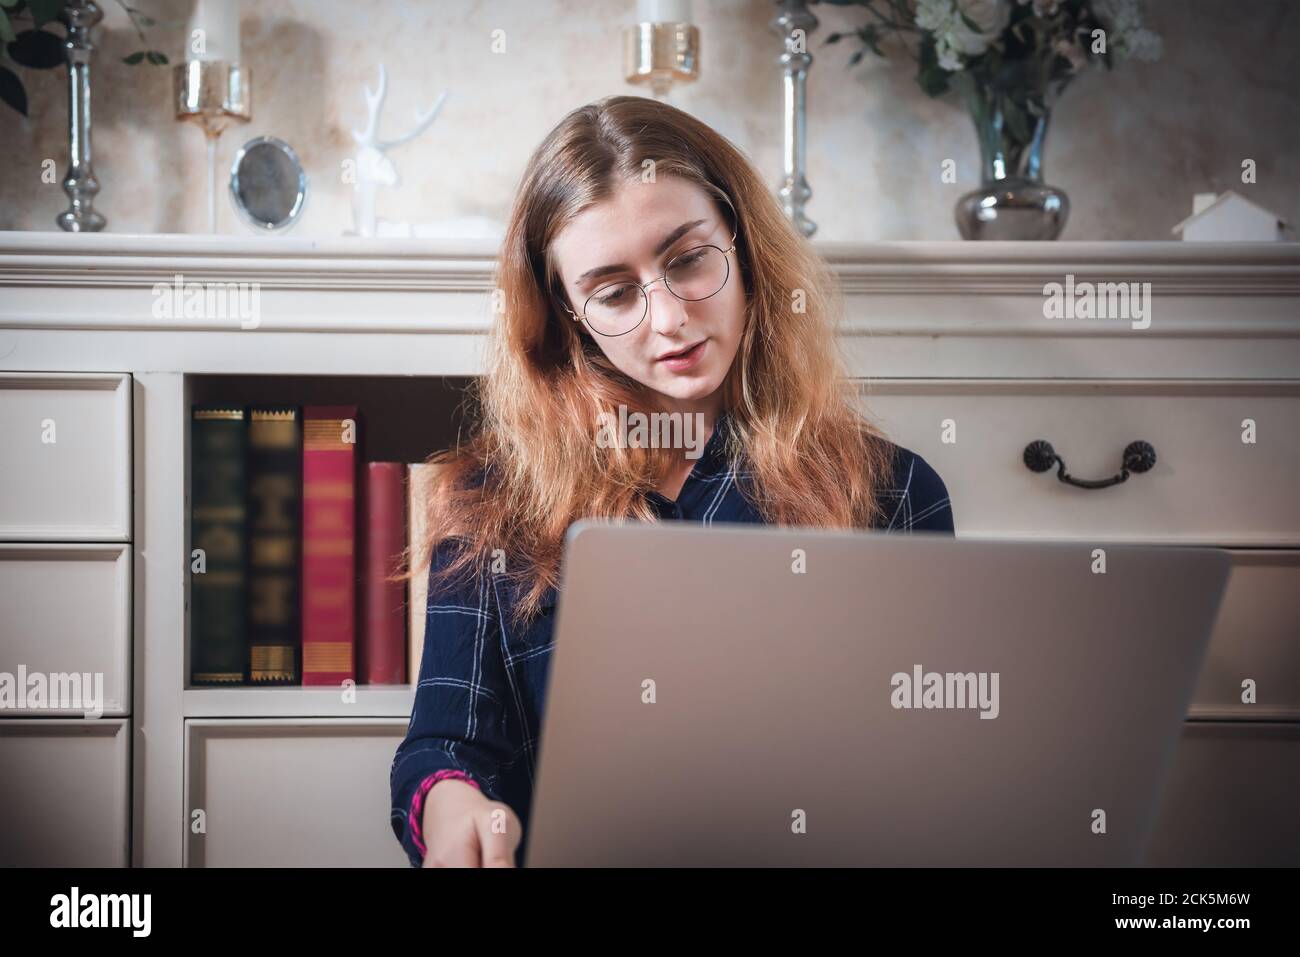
(372, 167)
(1229, 217)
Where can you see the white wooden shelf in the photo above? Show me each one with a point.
(377, 701)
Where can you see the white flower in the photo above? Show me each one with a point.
(953, 39)
(948, 57)
(1125, 33)
(933, 15)
(991, 16)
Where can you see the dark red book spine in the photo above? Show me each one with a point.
(329, 544)
(381, 650)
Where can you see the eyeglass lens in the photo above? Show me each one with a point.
(694, 275)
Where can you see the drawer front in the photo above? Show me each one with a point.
(66, 628)
(1256, 637)
(1232, 798)
(300, 793)
(67, 457)
(1207, 485)
(64, 793)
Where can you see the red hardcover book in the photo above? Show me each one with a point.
(328, 544)
(381, 648)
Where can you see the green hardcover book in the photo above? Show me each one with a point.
(218, 584)
(274, 523)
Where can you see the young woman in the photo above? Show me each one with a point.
(645, 266)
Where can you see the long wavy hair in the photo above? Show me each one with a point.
(533, 465)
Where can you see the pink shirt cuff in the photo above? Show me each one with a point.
(417, 802)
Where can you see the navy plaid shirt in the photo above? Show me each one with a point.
(482, 682)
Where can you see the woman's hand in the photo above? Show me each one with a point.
(462, 827)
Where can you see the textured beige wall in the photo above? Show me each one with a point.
(1130, 147)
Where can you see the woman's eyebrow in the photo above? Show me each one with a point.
(662, 248)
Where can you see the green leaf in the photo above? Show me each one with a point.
(134, 58)
(932, 77)
(971, 25)
(6, 29)
(156, 58)
(8, 3)
(11, 90)
(37, 49)
(43, 11)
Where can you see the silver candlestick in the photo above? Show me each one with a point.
(80, 17)
(794, 23)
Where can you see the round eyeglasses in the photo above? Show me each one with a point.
(698, 273)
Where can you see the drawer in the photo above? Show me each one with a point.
(66, 627)
(1232, 798)
(67, 457)
(64, 793)
(1207, 485)
(1256, 636)
(300, 793)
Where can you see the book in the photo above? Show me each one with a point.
(420, 476)
(274, 521)
(218, 629)
(329, 544)
(381, 645)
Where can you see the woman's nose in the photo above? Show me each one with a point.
(667, 312)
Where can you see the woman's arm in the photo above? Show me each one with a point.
(458, 722)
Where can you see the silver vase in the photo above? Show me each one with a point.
(1012, 202)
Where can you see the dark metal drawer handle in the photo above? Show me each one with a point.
(1139, 456)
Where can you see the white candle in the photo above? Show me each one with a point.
(213, 32)
(663, 11)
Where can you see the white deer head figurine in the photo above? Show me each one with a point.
(373, 168)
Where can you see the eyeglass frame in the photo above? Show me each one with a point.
(664, 277)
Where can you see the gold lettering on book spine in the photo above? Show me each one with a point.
(326, 656)
(273, 429)
(324, 435)
(271, 662)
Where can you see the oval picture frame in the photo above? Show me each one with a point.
(268, 185)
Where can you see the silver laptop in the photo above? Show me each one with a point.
(743, 695)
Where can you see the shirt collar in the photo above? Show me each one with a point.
(702, 481)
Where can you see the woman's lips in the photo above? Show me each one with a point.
(685, 360)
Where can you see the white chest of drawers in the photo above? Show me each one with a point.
(959, 362)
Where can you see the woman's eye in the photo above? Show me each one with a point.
(687, 260)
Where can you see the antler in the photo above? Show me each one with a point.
(422, 122)
(374, 104)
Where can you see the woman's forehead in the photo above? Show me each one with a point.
(628, 223)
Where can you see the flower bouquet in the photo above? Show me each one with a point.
(1009, 60)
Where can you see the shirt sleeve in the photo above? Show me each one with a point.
(925, 505)
(458, 721)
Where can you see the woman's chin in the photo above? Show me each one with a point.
(688, 388)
